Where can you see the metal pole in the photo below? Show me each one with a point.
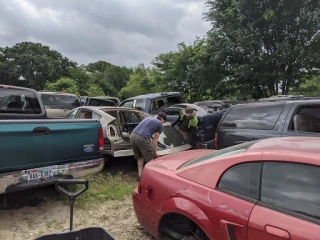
(71, 212)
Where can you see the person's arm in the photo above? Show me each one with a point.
(155, 144)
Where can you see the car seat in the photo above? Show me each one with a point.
(306, 123)
(14, 105)
(160, 104)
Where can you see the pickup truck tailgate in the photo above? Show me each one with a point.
(27, 144)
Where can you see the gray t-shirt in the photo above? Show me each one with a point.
(148, 127)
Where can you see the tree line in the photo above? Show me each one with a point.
(254, 49)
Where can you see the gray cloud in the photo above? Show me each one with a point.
(119, 31)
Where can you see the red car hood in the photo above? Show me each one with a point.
(173, 161)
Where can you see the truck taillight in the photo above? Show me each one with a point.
(101, 139)
(216, 140)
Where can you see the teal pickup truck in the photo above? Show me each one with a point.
(36, 150)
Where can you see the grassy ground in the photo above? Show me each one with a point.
(102, 187)
(107, 203)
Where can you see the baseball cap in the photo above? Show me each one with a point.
(163, 115)
(189, 110)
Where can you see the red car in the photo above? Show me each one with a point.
(261, 190)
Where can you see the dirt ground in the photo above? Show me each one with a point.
(29, 214)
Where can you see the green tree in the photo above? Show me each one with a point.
(185, 71)
(82, 79)
(94, 91)
(117, 76)
(262, 46)
(142, 81)
(66, 85)
(32, 65)
(310, 87)
(109, 77)
(98, 67)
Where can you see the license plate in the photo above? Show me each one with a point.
(36, 175)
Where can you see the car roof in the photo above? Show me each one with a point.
(266, 103)
(57, 93)
(154, 95)
(104, 97)
(17, 87)
(299, 145)
(102, 108)
(217, 101)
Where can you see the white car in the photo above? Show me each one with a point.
(118, 123)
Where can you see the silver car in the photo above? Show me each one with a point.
(118, 123)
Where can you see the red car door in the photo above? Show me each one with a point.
(238, 188)
(289, 206)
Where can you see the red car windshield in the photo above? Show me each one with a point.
(240, 148)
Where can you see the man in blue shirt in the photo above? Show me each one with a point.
(144, 149)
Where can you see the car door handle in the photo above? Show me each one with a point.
(39, 131)
(277, 231)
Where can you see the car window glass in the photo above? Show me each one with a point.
(130, 117)
(85, 114)
(239, 148)
(101, 102)
(306, 119)
(253, 116)
(170, 138)
(139, 104)
(71, 114)
(172, 111)
(113, 114)
(19, 101)
(128, 104)
(159, 104)
(237, 179)
(292, 186)
(60, 101)
(173, 100)
(95, 116)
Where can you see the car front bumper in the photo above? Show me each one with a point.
(18, 180)
(144, 216)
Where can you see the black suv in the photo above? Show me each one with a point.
(252, 121)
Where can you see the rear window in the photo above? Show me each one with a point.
(253, 116)
(101, 102)
(18, 101)
(240, 148)
(60, 101)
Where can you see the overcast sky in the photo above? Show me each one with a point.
(122, 32)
